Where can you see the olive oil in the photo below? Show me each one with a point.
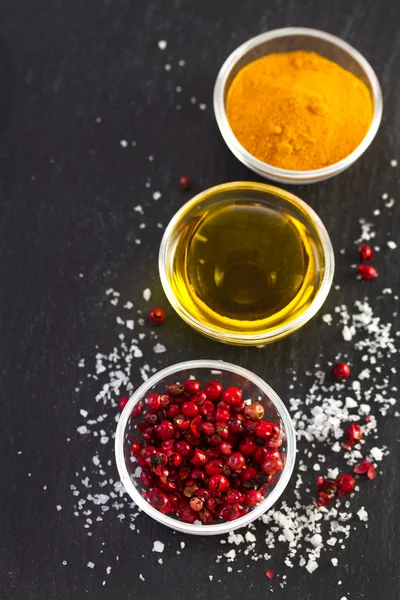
(244, 267)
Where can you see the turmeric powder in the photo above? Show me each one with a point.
(298, 110)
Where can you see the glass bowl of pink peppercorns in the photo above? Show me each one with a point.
(205, 447)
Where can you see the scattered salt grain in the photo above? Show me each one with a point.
(392, 245)
(59, 507)
(376, 453)
(90, 565)
(159, 348)
(82, 429)
(141, 577)
(311, 566)
(158, 547)
(393, 163)
(202, 106)
(124, 143)
(365, 374)
(316, 540)
(327, 318)
(147, 294)
(331, 541)
(162, 44)
(362, 514)
(156, 195)
(347, 333)
(130, 324)
(335, 562)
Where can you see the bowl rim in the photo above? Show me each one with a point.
(219, 528)
(288, 175)
(240, 338)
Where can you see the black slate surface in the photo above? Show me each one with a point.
(67, 195)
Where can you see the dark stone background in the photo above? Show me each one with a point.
(67, 194)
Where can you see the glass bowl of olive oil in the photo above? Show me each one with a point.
(246, 263)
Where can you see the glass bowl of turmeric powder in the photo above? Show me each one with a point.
(297, 105)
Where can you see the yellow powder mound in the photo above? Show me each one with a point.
(298, 110)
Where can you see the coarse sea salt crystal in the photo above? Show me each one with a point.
(231, 555)
(82, 429)
(334, 561)
(316, 540)
(351, 403)
(331, 541)
(311, 566)
(158, 547)
(347, 334)
(90, 565)
(365, 374)
(376, 453)
(147, 294)
(333, 473)
(159, 348)
(362, 514)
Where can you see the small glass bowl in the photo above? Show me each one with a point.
(272, 197)
(286, 40)
(205, 370)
